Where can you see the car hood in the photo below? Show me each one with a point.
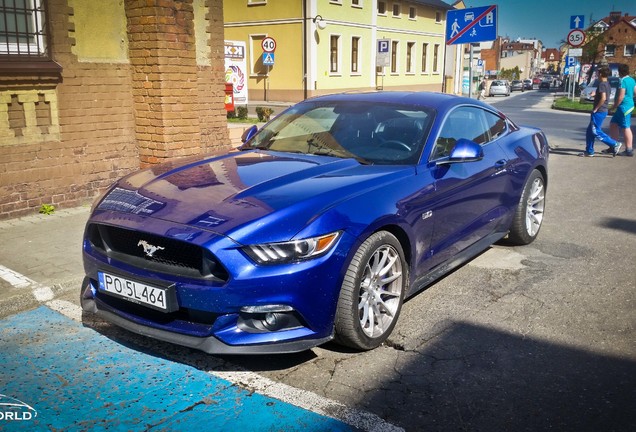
(246, 195)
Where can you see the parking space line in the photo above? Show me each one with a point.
(250, 381)
(14, 278)
(41, 292)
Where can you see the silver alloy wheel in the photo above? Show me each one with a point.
(535, 207)
(380, 291)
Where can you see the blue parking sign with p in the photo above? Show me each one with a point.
(570, 61)
(383, 45)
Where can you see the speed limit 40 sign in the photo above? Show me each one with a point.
(576, 37)
(268, 44)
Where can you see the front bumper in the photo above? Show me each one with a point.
(209, 344)
(221, 315)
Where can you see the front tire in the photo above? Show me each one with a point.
(372, 293)
(529, 213)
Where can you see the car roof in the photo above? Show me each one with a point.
(426, 99)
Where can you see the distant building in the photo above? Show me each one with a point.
(331, 46)
(613, 40)
(491, 55)
(550, 60)
(524, 54)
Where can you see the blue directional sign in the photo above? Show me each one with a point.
(572, 66)
(268, 58)
(577, 21)
(471, 25)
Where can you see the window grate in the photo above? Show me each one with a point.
(23, 28)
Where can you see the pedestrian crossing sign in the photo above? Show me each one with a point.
(268, 59)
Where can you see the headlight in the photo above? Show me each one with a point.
(291, 251)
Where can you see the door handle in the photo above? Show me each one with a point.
(501, 164)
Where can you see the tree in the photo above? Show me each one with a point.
(594, 49)
(510, 74)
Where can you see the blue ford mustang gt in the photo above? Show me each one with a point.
(317, 227)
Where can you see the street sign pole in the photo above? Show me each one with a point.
(269, 46)
(470, 73)
(266, 84)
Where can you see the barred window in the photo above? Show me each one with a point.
(23, 28)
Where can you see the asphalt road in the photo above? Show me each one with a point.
(533, 338)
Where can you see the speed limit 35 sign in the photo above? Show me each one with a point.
(576, 37)
(268, 44)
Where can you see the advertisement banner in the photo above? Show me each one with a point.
(236, 70)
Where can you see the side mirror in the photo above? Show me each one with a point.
(248, 134)
(464, 151)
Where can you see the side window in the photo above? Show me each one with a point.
(464, 122)
(496, 125)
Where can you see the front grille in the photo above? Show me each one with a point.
(187, 319)
(165, 255)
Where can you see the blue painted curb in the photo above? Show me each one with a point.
(76, 379)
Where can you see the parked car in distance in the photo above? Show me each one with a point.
(316, 228)
(545, 84)
(499, 87)
(589, 92)
(516, 85)
(527, 84)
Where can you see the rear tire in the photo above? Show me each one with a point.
(372, 293)
(528, 216)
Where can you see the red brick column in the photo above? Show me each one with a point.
(164, 70)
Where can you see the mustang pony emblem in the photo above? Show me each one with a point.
(149, 249)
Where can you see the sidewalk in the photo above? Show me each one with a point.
(40, 258)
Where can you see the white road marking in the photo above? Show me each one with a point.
(249, 380)
(15, 279)
(307, 400)
(40, 292)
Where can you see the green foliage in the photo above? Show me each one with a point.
(250, 120)
(264, 113)
(510, 74)
(593, 50)
(242, 112)
(47, 209)
(231, 114)
(566, 103)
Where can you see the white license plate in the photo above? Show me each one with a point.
(136, 292)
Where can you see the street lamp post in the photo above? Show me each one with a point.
(320, 24)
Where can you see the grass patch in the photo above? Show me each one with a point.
(572, 105)
(249, 120)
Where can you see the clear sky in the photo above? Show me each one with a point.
(548, 20)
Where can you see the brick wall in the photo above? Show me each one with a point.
(619, 35)
(112, 117)
(211, 84)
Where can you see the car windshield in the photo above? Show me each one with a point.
(498, 83)
(380, 134)
(613, 82)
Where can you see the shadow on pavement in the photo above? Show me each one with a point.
(475, 378)
(471, 378)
